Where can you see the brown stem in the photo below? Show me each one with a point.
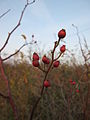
(43, 70)
(18, 24)
(16, 52)
(46, 74)
(58, 57)
(9, 91)
(4, 13)
(41, 93)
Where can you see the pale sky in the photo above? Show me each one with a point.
(44, 19)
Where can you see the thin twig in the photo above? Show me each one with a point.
(42, 69)
(58, 56)
(16, 51)
(18, 24)
(5, 13)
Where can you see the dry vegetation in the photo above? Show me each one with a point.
(60, 101)
(23, 95)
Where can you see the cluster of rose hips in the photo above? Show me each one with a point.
(74, 83)
(46, 60)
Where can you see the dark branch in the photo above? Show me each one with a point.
(16, 51)
(4, 13)
(18, 24)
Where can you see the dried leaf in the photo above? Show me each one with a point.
(24, 36)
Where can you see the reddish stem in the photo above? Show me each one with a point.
(46, 74)
(9, 91)
(18, 24)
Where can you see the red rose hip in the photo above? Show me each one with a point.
(35, 56)
(45, 60)
(35, 63)
(73, 83)
(62, 33)
(46, 83)
(77, 90)
(63, 48)
(56, 64)
(70, 81)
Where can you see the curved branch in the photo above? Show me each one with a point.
(18, 24)
(39, 67)
(58, 56)
(16, 51)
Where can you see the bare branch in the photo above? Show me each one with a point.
(18, 24)
(86, 44)
(16, 51)
(80, 42)
(9, 90)
(87, 75)
(4, 13)
(30, 2)
(58, 57)
(42, 69)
